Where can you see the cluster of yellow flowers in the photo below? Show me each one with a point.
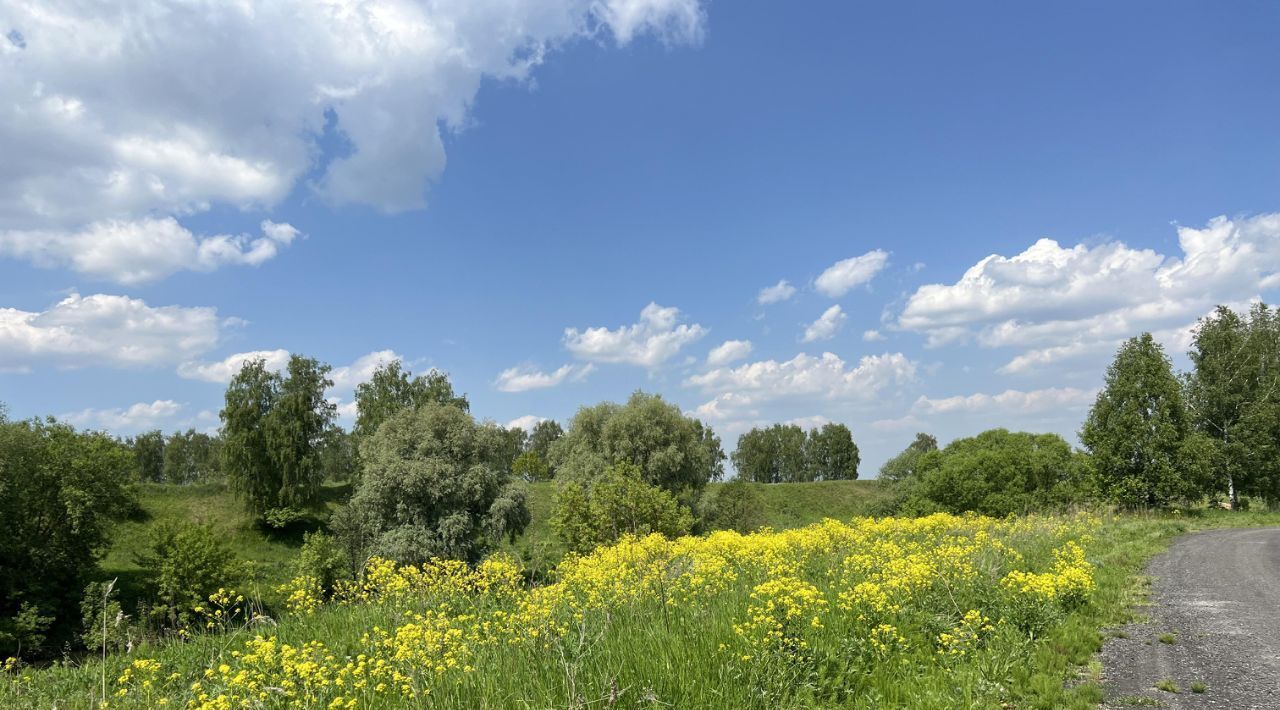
(882, 585)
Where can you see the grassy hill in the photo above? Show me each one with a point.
(270, 553)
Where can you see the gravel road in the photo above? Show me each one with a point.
(1218, 594)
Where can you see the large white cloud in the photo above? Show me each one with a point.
(117, 113)
(523, 378)
(741, 390)
(83, 331)
(221, 371)
(656, 338)
(1058, 302)
(827, 325)
(844, 275)
(131, 252)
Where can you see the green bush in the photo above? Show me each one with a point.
(737, 505)
(187, 562)
(105, 625)
(322, 559)
(617, 502)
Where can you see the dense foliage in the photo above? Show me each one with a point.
(1233, 394)
(907, 463)
(999, 472)
(188, 562)
(60, 490)
(393, 388)
(600, 510)
(735, 506)
(676, 453)
(435, 483)
(1140, 433)
(273, 429)
(783, 453)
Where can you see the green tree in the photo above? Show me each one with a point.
(148, 449)
(60, 492)
(735, 505)
(434, 484)
(600, 510)
(999, 472)
(544, 434)
(773, 455)
(393, 388)
(1232, 391)
(1137, 428)
(246, 454)
(190, 456)
(906, 464)
(830, 454)
(513, 442)
(338, 455)
(674, 452)
(530, 467)
(297, 427)
(272, 429)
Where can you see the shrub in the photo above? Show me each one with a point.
(735, 506)
(188, 562)
(322, 559)
(105, 625)
(618, 502)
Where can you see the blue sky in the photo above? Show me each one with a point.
(459, 187)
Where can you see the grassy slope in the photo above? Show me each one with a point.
(270, 552)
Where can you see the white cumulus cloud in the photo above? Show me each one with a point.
(827, 325)
(729, 351)
(221, 371)
(740, 390)
(656, 338)
(1009, 402)
(776, 293)
(83, 331)
(132, 252)
(523, 378)
(1059, 303)
(844, 275)
(115, 117)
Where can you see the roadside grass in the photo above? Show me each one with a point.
(639, 660)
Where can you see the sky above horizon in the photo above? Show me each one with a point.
(900, 216)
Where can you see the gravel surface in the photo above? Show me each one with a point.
(1214, 619)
